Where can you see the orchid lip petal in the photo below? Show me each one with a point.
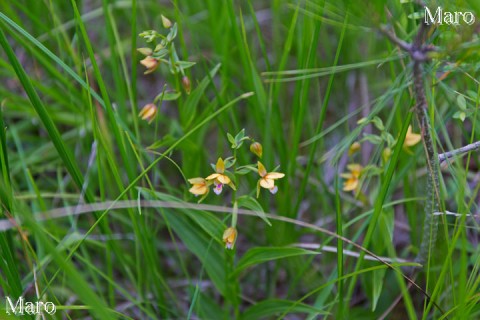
(274, 190)
(218, 189)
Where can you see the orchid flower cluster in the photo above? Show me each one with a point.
(356, 170)
(226, 173)
(162, 52)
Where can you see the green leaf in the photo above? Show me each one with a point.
(263, 254)
(201, 233)
(185, 64)
(378, 123)
(160, 53)
(173, 33)
(52, 56)
(416, 15)
(245, 169)
(239, 138)
(207, 307)
(389, 139)
(229, 162)
(268, 308)
(167, 96)
(165, 141)
(44, 115)
(384, 233)
(462, 103)
(460, 115)
(231, 139)
(188, 111)
(252, 204)
(472, 94)
(372, 170)
(372, 138)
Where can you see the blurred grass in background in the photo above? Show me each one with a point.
(72, 88)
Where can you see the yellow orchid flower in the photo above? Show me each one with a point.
(411, 138)
(148, 112)
(229, 237)
(200, 186)
(267, 179)
(219, 178)
(150, 63)
(352, 177)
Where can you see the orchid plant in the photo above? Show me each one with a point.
(228, 173)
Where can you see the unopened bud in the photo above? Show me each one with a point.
(145, 51)
(165, 22)
(256, 148)
(386, 153)
(354, 148)
(186, 84)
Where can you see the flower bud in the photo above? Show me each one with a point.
(150, 63)
(145, 51)
(186, 84)
(256, 148)
(149, 112)
(354, 148)
(167, 24)
(386, 153)
(229, 237)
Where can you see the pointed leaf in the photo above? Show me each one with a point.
(252, 204)
(268, 308)
(263, 254)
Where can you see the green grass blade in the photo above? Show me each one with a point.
(63, 151)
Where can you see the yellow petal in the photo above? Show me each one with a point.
(220, 167)
(355, 168)
(350, 185)
(346, 175)
(261, 169)
(148, 112)
(150, 63)
(196, 180)
(274, 175)
(411, 138)
(229, 237)
(354, 148)
(198, 189)
(212, 176)
(267, 183)
(223, 179)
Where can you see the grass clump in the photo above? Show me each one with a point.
(339, 140)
